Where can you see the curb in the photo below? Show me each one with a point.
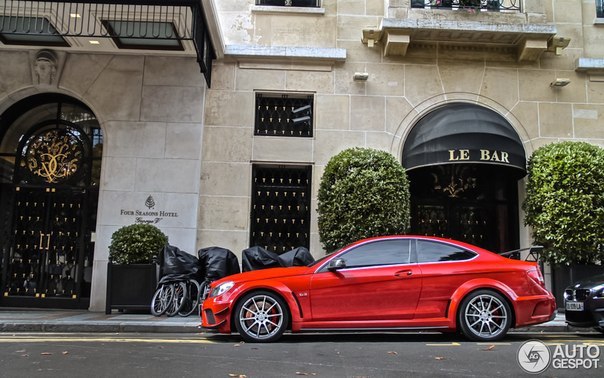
(99, 327)
(562, 328)
(190, 327)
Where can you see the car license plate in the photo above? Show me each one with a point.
(574, 306)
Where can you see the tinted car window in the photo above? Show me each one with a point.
(383, 252)
(433, 252)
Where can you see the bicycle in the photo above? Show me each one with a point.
(196, 294)
(191, 300)
(161, 299)
(169, 298)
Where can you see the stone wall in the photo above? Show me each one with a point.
(150, 109)
(380, 112)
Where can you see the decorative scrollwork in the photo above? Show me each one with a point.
(487, 5)
(459, 183)
(54, 155)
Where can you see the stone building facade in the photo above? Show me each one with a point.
(239, 163)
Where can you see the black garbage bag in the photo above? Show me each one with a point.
(217, 262)
(175, 264)
(256, 257)
(296, 257)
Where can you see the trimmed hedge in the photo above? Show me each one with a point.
(136, 244)
(564, 202)
(363, 193)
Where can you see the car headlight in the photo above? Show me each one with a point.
(598, 291)
(222, 288)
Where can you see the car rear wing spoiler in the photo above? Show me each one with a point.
(533, 254)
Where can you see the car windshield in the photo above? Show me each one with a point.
(321, 259)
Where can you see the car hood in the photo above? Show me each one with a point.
(269, 273)
(589, 282)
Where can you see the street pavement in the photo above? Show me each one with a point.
(42, 320)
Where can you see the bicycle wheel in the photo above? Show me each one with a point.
(191, 300)
(161, 299)
(180, 292)
(204, 291)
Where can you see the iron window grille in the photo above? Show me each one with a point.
(288, 115)
(280, 215)
(291, 3)
(487, 5)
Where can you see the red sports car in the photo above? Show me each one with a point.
(384, 283)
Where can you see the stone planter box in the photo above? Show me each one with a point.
(130, 287)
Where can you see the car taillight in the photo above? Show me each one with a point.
(535, 274)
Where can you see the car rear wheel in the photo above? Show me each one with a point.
(485, 315)
(261, 317)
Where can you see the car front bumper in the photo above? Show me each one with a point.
(591, 316)
(216, 314)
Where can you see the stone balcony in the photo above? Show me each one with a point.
(522, 36)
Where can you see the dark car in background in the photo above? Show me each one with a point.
(584, 303)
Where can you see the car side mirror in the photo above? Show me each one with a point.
(336, 264)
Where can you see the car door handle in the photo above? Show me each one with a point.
(403, 273)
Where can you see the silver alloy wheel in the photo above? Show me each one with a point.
(486, 316)
(261, 317)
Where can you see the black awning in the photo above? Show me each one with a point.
(463, 133)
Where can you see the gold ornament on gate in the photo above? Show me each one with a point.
(54, 155)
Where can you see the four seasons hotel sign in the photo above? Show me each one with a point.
(150, 214)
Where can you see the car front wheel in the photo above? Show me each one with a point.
(485, 315)
(261, 317)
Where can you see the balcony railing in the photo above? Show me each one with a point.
(148, 23)
(478, 5)
(291, 3)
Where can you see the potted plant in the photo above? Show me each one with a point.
(131, 273)
(363, 192)
(564, 206)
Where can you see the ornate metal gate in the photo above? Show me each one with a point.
(52, 200)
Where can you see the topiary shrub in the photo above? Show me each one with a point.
(564, 202)
(136, 244)
(363, 193)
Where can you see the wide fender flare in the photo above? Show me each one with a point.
(276, 287)
(478, 284)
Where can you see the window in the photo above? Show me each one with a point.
(29, 31)
(600, 8)
(383, 252)
(280, 219)
(292, 3)
(143, 35)
(428, 251)
(288, 115)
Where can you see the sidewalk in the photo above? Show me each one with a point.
(36, 320)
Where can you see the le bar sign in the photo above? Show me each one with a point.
(150, 214)
(479, 155)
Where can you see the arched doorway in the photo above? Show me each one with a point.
(50, 164)
(464, 162)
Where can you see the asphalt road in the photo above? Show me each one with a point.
(305, 355)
